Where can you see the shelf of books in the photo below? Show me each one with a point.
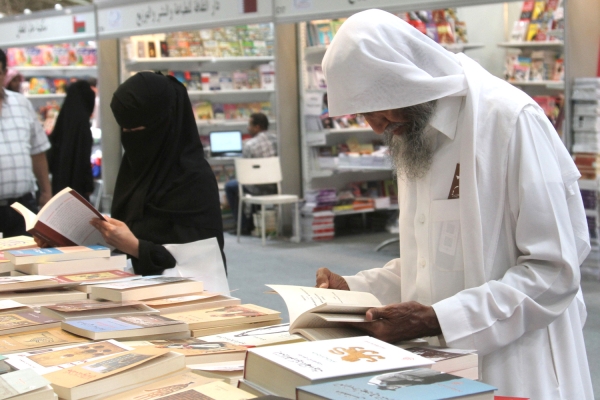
(535, 57)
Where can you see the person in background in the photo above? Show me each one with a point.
(69, 158)
(262, 144)
(166, 191)
(12, 80)
(23, 144)
(492, 225)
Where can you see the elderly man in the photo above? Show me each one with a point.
(492, 226)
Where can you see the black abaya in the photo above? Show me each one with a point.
(166, 191)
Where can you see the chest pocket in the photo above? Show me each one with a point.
(445, 236)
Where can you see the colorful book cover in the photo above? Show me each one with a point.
(122, 323)
(55, 250)
(420, 383)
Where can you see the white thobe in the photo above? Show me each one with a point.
(524, 321)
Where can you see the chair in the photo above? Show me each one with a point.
(261, 171)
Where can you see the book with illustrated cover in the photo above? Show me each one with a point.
(317, 313)
(25, 321)
(95, 309)
(257, 337)
(191, 302)
(16, 383)
(14, 343)
(17, 242)
(202, 332)
(447, 359)
(280, 369)
(77, 266)
(197, 351)
(52, 359)
(420, 383)
(129, 326)
(163, 387)
(113, 372)
(63, 221)
(527, 10)
(88, 280)
(226, 316)
(146, 288)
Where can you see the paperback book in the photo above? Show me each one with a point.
(226, 316)
(63, 221)
(16, 243)
(447, 359)
(258, 337)
(88, 309)
(146, 288)
(191, 302)
(420, 383)
(25, 321)
(14, 343)
(67, 267)
(124, 327)
(17, 383)
(11, 306)
(38, 255)
(44, 296)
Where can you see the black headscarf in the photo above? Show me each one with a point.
(163, 174)
(71, 138)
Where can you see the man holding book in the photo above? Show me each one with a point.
(492, 226)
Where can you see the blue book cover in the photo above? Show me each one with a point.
(420, 383)
(102, 325)
(51, 250)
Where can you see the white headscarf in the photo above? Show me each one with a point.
(379, 62)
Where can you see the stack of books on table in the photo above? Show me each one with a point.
(38, 289)
(227, 319)
(13, 243)
(463, 363)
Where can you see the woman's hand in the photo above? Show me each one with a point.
(117, 234)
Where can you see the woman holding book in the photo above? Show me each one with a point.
(166, 191)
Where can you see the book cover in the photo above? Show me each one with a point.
(87, 305)
(53, 359)
(23, 319)
(192, 347)
(336, 357)
(17, 242)
(28, 256)
(142, 282)
(32, 340)
(225, 316)
(256, 337)
(121, 323)
(95, 277)
(20, 382)
(168, 301)
(527, 9)
(420, 383)
(214, 391)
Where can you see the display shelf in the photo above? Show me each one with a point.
(226, 123)
(237, 96)
(46, 96)
(220, 63)
(518, 45)
(57, 70)
(554, 85)
(459, 47)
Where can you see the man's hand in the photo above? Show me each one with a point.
(328, 280)
(402, 321)
(117, 234)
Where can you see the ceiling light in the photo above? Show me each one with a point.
(58, 7)
(27, 11)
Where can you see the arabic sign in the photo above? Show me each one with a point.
(160, 16)
(304, 10)
(48, 29)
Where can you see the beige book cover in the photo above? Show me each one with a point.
(164, 387)
(25, 321)
(215, 330)
(98, 369)
(190, 347)
(258, 336)
(37, 339)
(17, 242)
(225, 316)
(168, 301)
(87, 305)
(44, 296)
(211, 391)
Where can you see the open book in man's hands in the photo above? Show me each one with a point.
(64, 221)
(319, 314)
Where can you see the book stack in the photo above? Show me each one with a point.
(317, 226)
(13, 243)
(227, 319)
(279, 370)
(463, 363)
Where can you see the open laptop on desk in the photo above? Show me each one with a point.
(225, 144)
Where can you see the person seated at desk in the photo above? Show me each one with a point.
(262, 144)
(166, 191)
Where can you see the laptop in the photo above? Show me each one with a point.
(225, 144)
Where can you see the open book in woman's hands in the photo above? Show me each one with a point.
(63, 221)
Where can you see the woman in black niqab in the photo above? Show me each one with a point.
(69, 159)
(166, 192)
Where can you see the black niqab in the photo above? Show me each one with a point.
(163, 174)
(69, 159)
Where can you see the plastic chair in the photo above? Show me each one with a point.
(262, 171)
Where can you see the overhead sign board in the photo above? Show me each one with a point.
(117, 19)
(69, 25)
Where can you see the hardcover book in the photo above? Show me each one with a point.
(226, 316)
(124, 326)
(63, 221)
(317, 313)
(280, 369)
(15, 343)
(25, 321)
(420, 383)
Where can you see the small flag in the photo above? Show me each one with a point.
(78, 24)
